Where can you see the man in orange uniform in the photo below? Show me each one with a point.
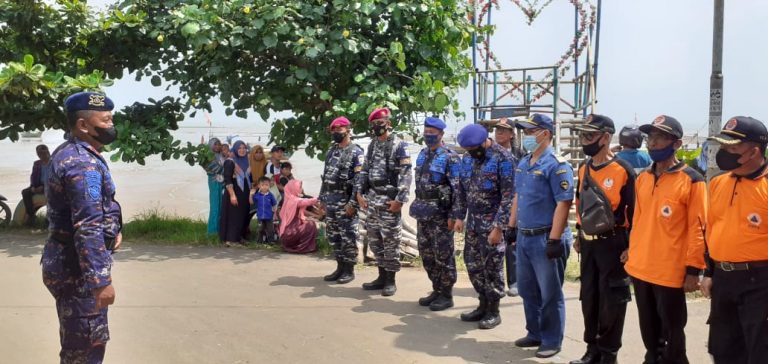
(737, 273)
(604, 283)
(666, 250)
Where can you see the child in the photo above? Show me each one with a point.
(285, 174)
(266, 206)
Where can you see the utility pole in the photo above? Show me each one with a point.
(715, 87)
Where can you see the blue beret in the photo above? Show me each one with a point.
(88, 101)
(536, 121)
(434, 123)
(472, 135)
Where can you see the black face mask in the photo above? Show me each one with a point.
(592, 149)
(105, 135)
(338, 137)
(478, 154)
(727, 161)
(379, 129)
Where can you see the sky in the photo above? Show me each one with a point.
(655, 58)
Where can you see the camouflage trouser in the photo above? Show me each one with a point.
(436, 251)
(384, 237)
(485, 264)
(342, 234)
(83, 330)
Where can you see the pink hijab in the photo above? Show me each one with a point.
(292, 203)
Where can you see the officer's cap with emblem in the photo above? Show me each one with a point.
(88, 101)
(740, 129)
(597, 123)
(666, 124)
(433, 122)
(536, 121)
(379, 114)
(505, 123)
(472, 136)
(340, 121)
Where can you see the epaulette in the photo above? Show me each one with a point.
(560, 159)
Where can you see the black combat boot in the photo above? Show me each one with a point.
(426, 301)
(476, 314)
(607, 358)
(347, 273)
(336, 274)
(592, 356)
(389, 284)
(445, 301)
(492, 317)
(377, 283)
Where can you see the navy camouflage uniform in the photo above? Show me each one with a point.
(84, 219)
(437, 179)
(485, 196)
(384, 160)
(336, 192)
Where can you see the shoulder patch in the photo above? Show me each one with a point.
(560, 158)
(561, 171)
(93, 185)
(564, 184)
(693, 174)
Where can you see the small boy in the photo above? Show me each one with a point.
(285, 175)
(266, 206)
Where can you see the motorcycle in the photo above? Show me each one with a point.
(5, 212)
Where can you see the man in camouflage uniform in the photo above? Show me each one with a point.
(342, 162)
(84, 225)
(382, 189)
(486, 189)
(435, 210)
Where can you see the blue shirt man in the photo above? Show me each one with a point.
(544, 183)
(84, 226)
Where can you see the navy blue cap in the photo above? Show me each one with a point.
(88, 101)
(472, 135)
(536, 121)
(742, 128)
(666, 124)
(433, 122)
(597, 123)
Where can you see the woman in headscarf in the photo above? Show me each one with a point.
(235, 204)
(297, 234)
(258, 162)
(215, 185)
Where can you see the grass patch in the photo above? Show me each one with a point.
(154, 226)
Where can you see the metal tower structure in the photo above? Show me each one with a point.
(502, 91)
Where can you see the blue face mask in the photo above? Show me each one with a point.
(529, 143)
(431, 139)
(660, 155)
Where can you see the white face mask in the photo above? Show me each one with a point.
(529, 142)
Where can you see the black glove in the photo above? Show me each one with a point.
(554, 248)
(510, 235)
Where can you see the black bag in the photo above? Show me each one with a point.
(594, 207)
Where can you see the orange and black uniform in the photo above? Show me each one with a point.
(604, 283)
(666, 243)
(737, 238)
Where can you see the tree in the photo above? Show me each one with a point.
(315, 59)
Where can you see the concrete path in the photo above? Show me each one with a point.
(217, 305)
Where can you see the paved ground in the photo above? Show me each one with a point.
(216, 305)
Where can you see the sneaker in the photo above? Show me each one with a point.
(512, 291)
(547, 352)
(527, 342)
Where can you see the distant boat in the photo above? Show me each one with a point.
(32, 134)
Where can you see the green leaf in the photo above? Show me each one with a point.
(324, 95)
(241, 114)
(270, 40)
(301, 73)
(156, 81)
(28, 61)
(190, 28)
(441, 101)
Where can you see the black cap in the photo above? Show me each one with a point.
(599, 123)
(666, 124)
(278, 148)
(286, 165)
(630, 136)
(742, 128)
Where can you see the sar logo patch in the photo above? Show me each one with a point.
(564, 185)
(666, 211)
(731, 124)
(659, 120)
(754, 219)
(96, 100)
(93, 185)
(608, 183)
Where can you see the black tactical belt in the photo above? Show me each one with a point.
(606, 235)
(730, 267)
(536, 231)
(378, 183)
(428, 195)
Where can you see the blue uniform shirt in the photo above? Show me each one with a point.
(638, 159)
(540, 187)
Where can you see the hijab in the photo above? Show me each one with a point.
(293, 204)
(217, 156)
(242, 162)
(257, 166)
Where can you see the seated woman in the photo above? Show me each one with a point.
(297, 234)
